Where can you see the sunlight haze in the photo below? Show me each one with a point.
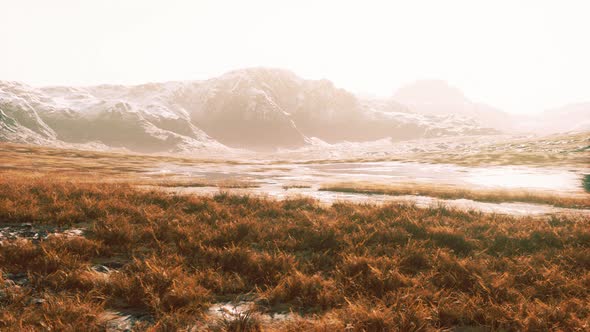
(289, 166)
(519, 56)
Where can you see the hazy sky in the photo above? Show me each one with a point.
(521, 56)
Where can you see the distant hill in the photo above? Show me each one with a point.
(572, 117)
(437, 97)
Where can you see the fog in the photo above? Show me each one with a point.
(521, 57)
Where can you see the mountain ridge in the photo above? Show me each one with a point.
(253, 108)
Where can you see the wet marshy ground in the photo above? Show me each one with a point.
(289, 180)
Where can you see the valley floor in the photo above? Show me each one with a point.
(97, 240)
(505, 175)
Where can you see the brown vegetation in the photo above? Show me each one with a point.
(360, 267)
(570, 150)
(559, 149)
(224, 184)
(575, 201)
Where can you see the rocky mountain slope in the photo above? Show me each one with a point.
(254, 108)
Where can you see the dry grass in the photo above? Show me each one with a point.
(296, 186)
(569, 150)
(354, 267)
(188, 183)
(559, 149)
(111, 166)
(576, 201)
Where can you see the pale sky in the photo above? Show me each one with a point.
(520, 56)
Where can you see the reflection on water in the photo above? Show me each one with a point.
(527, 178)
(270, 175)
(330, 197)
(272, 179)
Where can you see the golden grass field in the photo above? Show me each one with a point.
(343, 267)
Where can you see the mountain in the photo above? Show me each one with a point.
(572, 117)
(565, 119)
(438, 97)
(256, 108)
(139, 118)
(19, 120)
(266, 108)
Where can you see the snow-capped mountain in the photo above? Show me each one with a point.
(138, 118)
(256, 108)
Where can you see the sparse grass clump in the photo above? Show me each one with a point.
(296, 186)
(226, 184)
(586, 182)
(166, 258)
(579, 201)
